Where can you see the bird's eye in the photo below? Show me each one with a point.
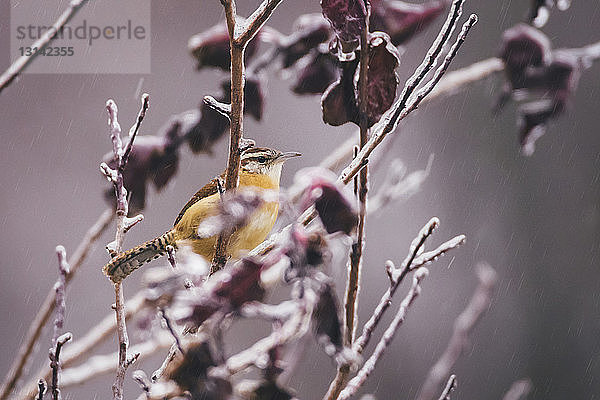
(262, 159)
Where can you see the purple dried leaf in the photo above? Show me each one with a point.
(381, 76)
(190, 372)
(254, 97)
(327, 321)
(310, 30)
(348, 20)
(151, 157)
(211, 48)
(336, 212)
(270, 390)
(402, 21)
(318, 73)
(241, 284)
(203, 128)
(338, 103)
(308, 250)
(523, 47)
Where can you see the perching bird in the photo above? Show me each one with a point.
(260, 168)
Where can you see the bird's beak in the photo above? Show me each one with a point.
(287, 155)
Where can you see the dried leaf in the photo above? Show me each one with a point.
(190, 372)
(523, 47)
(336, 213)
(348, 20)
(381, 76)
(327, 321)
(338, 103)
(152, 157)
(319, 71)
(269, 390)
(254, 97)
(241, 284)
(310, 30)
(402, 21)
(211, 48)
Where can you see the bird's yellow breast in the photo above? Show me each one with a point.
(244, 239)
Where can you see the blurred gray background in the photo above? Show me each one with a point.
(536, 220)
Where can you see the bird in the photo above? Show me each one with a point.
(260, 167)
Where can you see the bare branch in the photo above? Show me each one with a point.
(135, 128)
(105, 364)
(390, 119)
(369, 366)
(172, 330)
(47, 307)
(394, 187)
(425, 90)
(123, 224)
(22, 62)
(395, 280)
(221, 108)
(463, 326)
(442, 249)
(141, 379)
(156, 375)
(519, 390)
(41, 389)
(450, 386)
(255, 21)
(54, 355)
(60, 288)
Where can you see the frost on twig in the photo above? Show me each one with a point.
(41, 389)
(409, 100)
(396, 188)
(369, 366)
(240, 33)
(48, 306)
(518, 390)
(115, 176)
(22, 62)
(60, 289)
(54, 355)
(463, 326)
(450, 386)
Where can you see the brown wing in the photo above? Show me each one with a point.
(207, 190)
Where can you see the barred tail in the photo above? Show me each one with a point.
(125, 263)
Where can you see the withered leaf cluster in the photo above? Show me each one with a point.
(542, 80)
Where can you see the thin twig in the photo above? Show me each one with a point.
(60, 288)
(395, 280)
(41, 389)
(237, 45)
(441, 70)
(255, 21)
(235, 126)
(369, 366)
(54, 355)
(47, 307)
(463, 326)
(361, 187)
(295, 326)
(450, 386)
(99, 365)
(82, 347)
(518, 390)
(22, 62)
(123, 224)
(390, 119)
(172, 331)
(140, 377)
(156, 375)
